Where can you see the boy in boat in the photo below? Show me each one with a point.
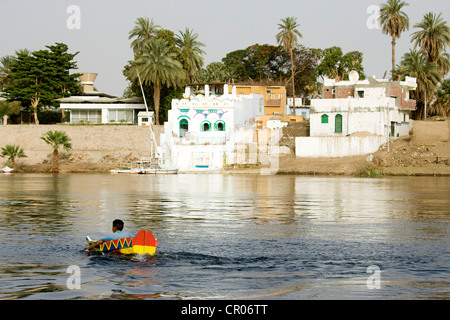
(117, 228)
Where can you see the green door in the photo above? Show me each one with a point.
(338, 124)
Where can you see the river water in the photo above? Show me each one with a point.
(227, 237)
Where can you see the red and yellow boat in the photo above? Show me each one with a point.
(143, 243)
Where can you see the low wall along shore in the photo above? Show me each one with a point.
(105, 146)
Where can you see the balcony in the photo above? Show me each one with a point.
(273, 103)
(408, 105)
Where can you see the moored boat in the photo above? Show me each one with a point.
(7, 169)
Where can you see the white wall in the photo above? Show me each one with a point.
(358, 115)
(335, 147)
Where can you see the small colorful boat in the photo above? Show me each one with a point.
(143, 243)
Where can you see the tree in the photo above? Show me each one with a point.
(334, 63)
(12, 152)
(428, 75)
(143, 31)
(9, 108)
(158, 66)
(288, 37)
(214, 72)
(433, 38)
(394, 21)
(236, 64)
(39, 78)
(190, 52)
(56, 139)
(5, 69)
(441, 105)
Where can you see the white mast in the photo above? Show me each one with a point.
(152, 134)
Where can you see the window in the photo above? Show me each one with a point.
(184, 127)
(205, 126)
(86, 116)
(219, 126)
(361, 93)
(121, 115)
(338, 124)
(324, 118)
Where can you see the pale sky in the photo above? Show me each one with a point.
(223, 26)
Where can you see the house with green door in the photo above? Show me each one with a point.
(355, 117)
(373, 106)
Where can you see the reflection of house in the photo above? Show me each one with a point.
(97, 107)
(363, 106)
(200, 131)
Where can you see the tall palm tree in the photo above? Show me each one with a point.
(191, 54)
(56, 139)
(428, 75)
(433, 39)
(393, 21)
(288, 38)
(158, 66)
(12, 152)
(144, 30)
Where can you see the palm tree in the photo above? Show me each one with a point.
(441, 104)
(144, 30)
(56, 139)
(428, 75)
(394, 21)
(12, 152)
(433, 38)
(6, 63)
(158, 66)
(288, 37)
(191, 54)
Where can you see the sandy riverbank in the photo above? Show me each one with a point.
(102, 148)
(94, 148)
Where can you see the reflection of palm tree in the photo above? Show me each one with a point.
(12, 152)
(158, 66)
(191, 54)
(288, 37)
(144, 30)
(56, 139)
(428, 75)
(394, 22)
(432, 39)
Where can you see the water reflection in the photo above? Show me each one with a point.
(226, 236)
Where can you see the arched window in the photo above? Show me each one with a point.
(205, 126)
(324, 118)
(184, 127)
(338, 124)
(219, 126)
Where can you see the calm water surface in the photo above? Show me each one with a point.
(227, 236)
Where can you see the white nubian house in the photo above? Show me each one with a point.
(202, 129)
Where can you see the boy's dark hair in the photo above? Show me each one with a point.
(118, 224)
